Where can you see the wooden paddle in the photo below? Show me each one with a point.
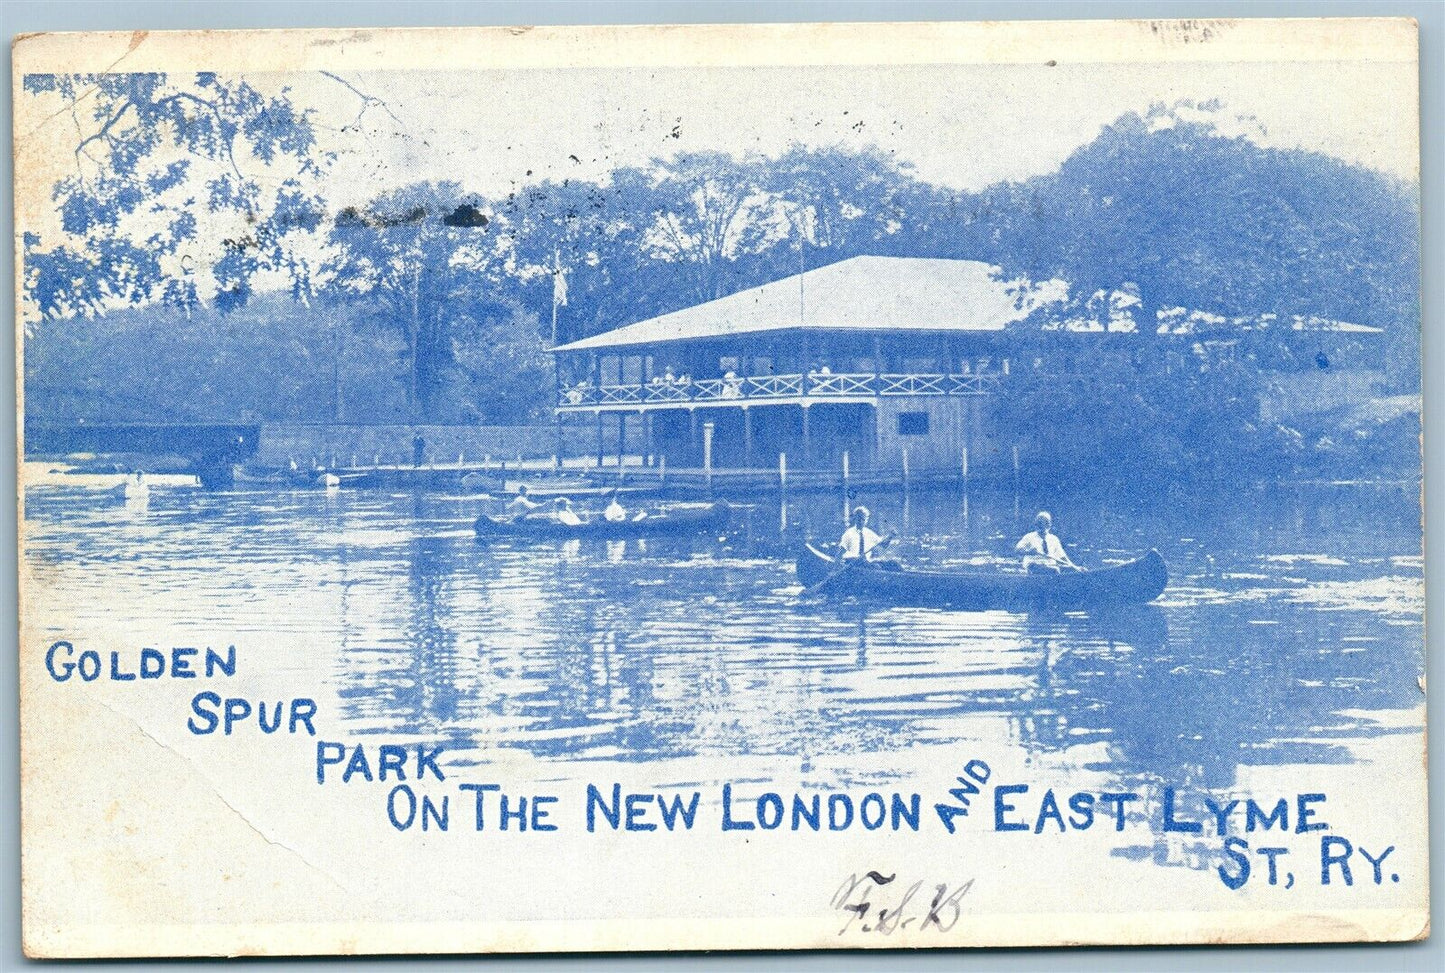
(843, 567)
(838, 572)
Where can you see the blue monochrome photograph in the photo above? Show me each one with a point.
(704, 488)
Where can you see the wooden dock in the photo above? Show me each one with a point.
(579, 476)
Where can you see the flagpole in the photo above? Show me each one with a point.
(559, 290)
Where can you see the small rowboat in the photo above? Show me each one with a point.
(677, 522)
(1132, 583)
(546, 489)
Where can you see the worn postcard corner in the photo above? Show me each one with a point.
(776, 487)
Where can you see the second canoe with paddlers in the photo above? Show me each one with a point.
(1133, 582)
(677, 521)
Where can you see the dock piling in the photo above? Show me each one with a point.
(1016, 481)
(707, 431)
(965, 485)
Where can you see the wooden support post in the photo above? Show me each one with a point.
(965, 467)
(847, 503)
(621, 440)
(747, 438)
(877, 436)
(647, 443)
(691, 431)
(600, 445)
(662, 470)
(783, 472)
(707, 430)
(905, 469)
(1016, 481)
(807, 439)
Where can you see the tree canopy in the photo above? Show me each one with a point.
(184, 189)
(199, 192)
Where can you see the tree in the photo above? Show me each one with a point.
(593, 232)
(506, 364)
(184, 190)
(848, 202)
(1191, 217)
(420, 259)
(270, 360)
(707, 210)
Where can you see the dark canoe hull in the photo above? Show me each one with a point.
(673, 523)
(1133, 583)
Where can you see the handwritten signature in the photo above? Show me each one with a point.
(875, 907)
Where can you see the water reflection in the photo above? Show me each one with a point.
(1293, 620)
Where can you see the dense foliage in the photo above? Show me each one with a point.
(183, 191)
(191, 196)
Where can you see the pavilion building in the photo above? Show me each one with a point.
(876, 356)
(900, 362)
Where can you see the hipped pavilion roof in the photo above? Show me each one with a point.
(896, 294)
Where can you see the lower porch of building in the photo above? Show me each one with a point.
(924, 436)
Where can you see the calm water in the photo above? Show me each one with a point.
(1291, 626)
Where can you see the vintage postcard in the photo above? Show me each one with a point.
(792, 486)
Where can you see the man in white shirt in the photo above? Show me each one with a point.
(1042, 549)
(858, 542)
(614, 512)
(521, 504)
(564, 514)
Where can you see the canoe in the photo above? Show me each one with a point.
(548, 490)
(682, 522)
(1132, 583)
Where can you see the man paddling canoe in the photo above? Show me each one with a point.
(563, 513)
(521, 503)
(858, 542)
(615, 512)
(1042, 549)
